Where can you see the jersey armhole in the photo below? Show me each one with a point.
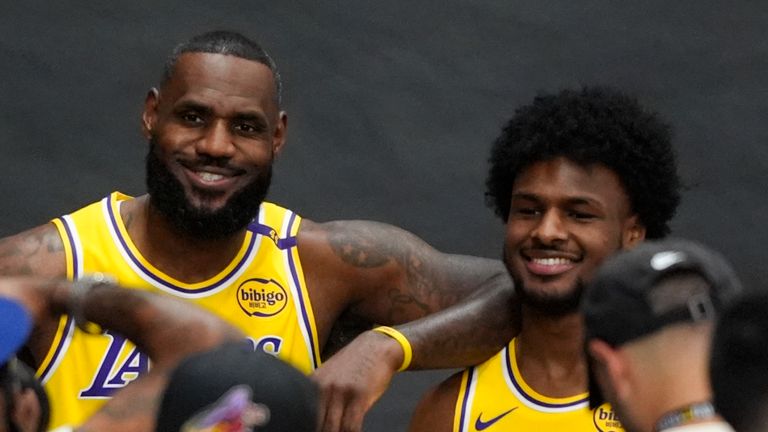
(68, 241)
(463, 402)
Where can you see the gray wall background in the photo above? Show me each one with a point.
(393, 106)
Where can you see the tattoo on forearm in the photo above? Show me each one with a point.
(400, 303)
(146, 404)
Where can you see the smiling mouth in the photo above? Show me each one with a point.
(209, 177)
(549, 265)
(551, 261)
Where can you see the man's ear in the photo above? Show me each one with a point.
(281, 129)
(634, 232)
(611, 370)
(149, 115)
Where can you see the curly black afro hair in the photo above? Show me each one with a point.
(594, 125)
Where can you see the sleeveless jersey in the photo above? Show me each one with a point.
(261, 292)
(493, 396)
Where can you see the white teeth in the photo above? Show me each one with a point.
(209, 177)
(551, 261)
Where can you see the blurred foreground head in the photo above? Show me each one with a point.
(233, 389)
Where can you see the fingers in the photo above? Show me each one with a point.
(352, 420)
(333, 411)
(342, 409)
(352, 381)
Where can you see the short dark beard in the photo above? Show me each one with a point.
(166, 194)
(551, 305)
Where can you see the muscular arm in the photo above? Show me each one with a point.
(165, 328)
(37, 252)
(459, 309)
(384, 275)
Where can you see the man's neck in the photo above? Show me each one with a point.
(550, 353)
(180, 256)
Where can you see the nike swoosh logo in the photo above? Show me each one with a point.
(482, 425)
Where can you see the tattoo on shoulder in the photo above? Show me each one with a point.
(20, 253)
(365, 245)
(53, 242)
(359, 248)
(146, 404)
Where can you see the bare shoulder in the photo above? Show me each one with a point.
(362, 244)
(435, 412)
(36, 252)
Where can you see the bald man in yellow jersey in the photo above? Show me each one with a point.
(204, 233)
(576, 176)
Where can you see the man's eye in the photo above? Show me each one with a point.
(245, 127)
(581, 215)
(191, 118)
(525, 211)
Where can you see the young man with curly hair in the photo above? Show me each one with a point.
(576, 176)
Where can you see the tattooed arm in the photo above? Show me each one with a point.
(165, 328)
(388, 276)
(36, 252)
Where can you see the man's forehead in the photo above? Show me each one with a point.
(566, 177)
(226, 74)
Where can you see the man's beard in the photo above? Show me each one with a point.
(549, 304)
(166, 194)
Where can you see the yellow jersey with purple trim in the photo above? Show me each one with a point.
(261, 291)
(493, 397)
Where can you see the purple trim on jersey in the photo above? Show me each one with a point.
(163, 282)
(508, 363)
(65, 334)
(465, 402)
(296, 282)
(71, 240)
(64, 337)
(282, 243)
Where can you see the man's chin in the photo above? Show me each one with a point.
(206, 207)
(553, 300)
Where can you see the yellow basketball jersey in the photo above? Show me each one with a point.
(261, 292)
(493, 397)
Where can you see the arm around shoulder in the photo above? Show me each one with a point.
(388, 275)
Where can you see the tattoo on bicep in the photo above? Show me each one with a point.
(53, 242)
(15, 255)
(357, 250)
(19, 254)
(419, 290)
